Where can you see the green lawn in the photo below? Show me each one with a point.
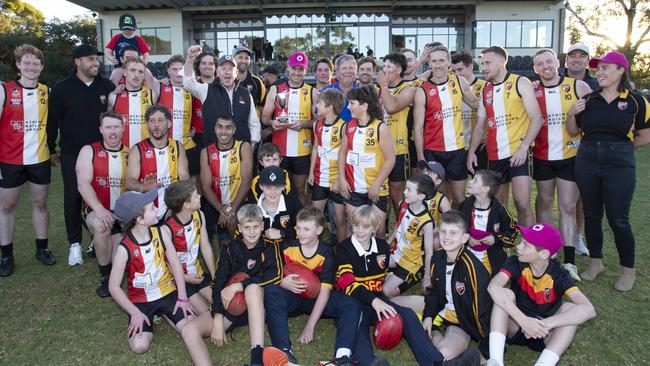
(51, 315)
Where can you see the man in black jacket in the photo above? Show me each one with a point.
(74, 108)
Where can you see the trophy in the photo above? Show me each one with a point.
(281, 102)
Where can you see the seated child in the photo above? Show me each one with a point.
(282, 301)
(268, 155)
(458, 300)
(491, 227)
(189, 237)
(155, 284)
(260, 261)
(279, 211)
(438, 203)
(531, 311)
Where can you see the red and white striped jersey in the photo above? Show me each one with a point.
(443, 122)
(109, 173)
(225, 166)
(365, 158)
(328, 140)
(179, 102)
(469, 114)
(132, 105)
(162, 162)
(299, 108)
(187, 240)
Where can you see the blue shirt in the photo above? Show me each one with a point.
(345, 115)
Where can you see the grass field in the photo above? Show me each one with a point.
(51, 315)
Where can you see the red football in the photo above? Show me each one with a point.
(305, 274)
(388, 332)
(237, 305)
(274, 357)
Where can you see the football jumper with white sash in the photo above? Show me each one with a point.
(443, 123)
(329, 139)
(397, 122)
(507, 120)
(408, 250)
(23, 139)
(149, 277)
(132, 105)
(469, 114)
(109, 173)
(299, 108)
(161, 162)
(225, 166)
(187, 240)
(553, 142)
(365, 158)
(179, 101)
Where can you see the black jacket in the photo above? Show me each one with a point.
(218, 103)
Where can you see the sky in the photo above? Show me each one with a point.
(61, 9)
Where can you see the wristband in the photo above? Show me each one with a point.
(182, 300)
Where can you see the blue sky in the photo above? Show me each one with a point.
(61, 9)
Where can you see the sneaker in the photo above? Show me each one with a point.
(573, 271)
(102, 289)
(90, 252)
(293, 361)
(380, 361)
(341, 361)
(75, 257)
(470, 357)
(6, 266)
(492, 362)
(45, 256)
(581, 246)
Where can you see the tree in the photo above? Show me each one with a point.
(21, 18)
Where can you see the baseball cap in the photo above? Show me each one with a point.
(298, 59)
(242, 49)
(543, 236)
(129, 204)
(226, 58)
(271, 70)
(434, 166)
(85, 50)
(127, 21)
(611, 58)
(578, 47)
(272, 176)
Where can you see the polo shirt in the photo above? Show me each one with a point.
(345, 115)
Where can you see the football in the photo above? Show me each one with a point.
(274, 357)
(306, 275)
(388, 332)
(237, 305)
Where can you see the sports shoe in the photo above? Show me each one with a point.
(102, 289)
(341, 361)
(581, 246)
(492, 362)
(379, 361)
(6, 266)
(470, 357)
(573, 271)
(45, 256)
(293, 361)
(75, 257)
(90, 252)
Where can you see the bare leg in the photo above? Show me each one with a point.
(201, 300)
(391, 285)
(414, 302)
(381, 231)
(254, 295)
(559, 339)
(102, 239)
(339, 219)
(567, 193)
(193, 334)
(502, 194)
(521, 195)
(8, 202)
(454, 342)
(140, 343)
(545, 201)
(457, 192)
(299, 186)
(40, 215)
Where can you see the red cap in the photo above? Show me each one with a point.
(543, 236)
(298, 59)
(611, 58)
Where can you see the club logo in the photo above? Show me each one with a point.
(622, 105)
(370, 132)
(452, 83)
(284, 221)
(381, 261)
(272, 177)
(241, 99)
(251, 263)
(508, 85)
(547, 294)
(538, 227)
(460, 288)
(566, 88)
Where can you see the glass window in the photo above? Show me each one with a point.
(482, 34)
(318, 19)
(440, 30)
(425, 20)
(221, 25)
(444, 39)
(208, 35)
(234, 34)
(258, 23)
(410, 31)
(245, 23)
(422, 41)
(288, 32)
(272, 20)
(455, 43)
(222, 46)
(366, 18)
(544, 33)
(382, 41)
(425, 30)
(350, 18)
(410, 20)
(529, 33)
(398, 20)
(288, 19)
(398, 31)
(272, 35)
(498, 33)
(366, 38)
(513, 34)
(381, 18)
(303, 19)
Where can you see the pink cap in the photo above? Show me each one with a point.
(543, 236)
(298, 59)
(611, 58)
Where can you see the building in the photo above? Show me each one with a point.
(327, 27)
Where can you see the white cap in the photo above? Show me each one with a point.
(578, 47)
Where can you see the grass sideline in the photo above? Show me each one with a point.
(51, 315)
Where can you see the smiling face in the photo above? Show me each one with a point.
(88, 66)
(439, 62)
(323, 73)
(576, 61)
(111, 130)
(366, 73)
(460, 69)
(296, 74)
(346, 72)
(251, 230)
(225, 130)
(363, 231)
(392, 72)
(30, 66)
(243, 60)
(609, 75)
(307, 232)
(207, 67)
(546, 65)
(452, 237)
(492, 65)
(158, 126)
(227, 73)
(272, 193)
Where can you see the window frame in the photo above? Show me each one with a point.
(521, 35)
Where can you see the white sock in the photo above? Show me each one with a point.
(342, 352)
(547, 358)
(497, 346)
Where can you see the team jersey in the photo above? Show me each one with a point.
(149, 277)
(469, 114)
(197, 115)
(161, 162)
(299, 108)
(443, 122)
(553, 142)
(540, 296)
(179, 102)
(415, 83)
(23, 137)
(132, 105)
(187, 240)
(408, 243)
(361, 272)
(328, 140)
(433, 204)
(321, 263)
(365, 158)
(507, 120)
(109, 173)
(479, 221)
(448, 312)
(398, 122)
(225, 166)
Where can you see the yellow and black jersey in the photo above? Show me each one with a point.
(322, 262)
(361, 272)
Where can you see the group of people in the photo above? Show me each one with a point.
(158, 170)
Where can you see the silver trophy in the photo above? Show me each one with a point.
(281, 102)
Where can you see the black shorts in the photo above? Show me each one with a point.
(192, 289)
(86, 210)
(319, 193)
(198, 140)
(454, 162)
(163, 306)
(400, 171)
(193, 161)
(519, 339)
(236, 321)
(409, 278)
(296, 165)
(360, 199)
(507, 172)
(413, 154)
(551, 169)
(481, 158)
(12, 176)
